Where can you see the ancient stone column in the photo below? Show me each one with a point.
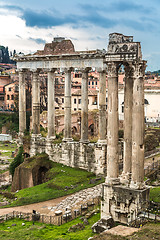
(84, 106)
(112, 126)
(67, 107)
(128, 100)
(137, 180)
(102, 108)
(35, 103)
(51, 109)
(22, 103)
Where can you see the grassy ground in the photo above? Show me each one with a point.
(8, 148)
(155, 194)
(40, 231)
(64, 180)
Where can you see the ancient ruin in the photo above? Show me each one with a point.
(122, 196)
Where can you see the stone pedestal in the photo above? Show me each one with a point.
(122, 203)
(36, 142)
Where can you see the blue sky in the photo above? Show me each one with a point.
(26, 25)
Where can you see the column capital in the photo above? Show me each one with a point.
(50, 70)
(101, 70)
(137, 69)
(68, 70)
(21, 70)
(85, 70)
(112, 68)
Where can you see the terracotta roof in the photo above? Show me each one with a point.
(77, 92)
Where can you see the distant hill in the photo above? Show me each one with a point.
(156, 72)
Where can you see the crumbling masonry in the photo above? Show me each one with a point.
(122, 196)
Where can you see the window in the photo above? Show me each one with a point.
(92, 83)
(122, 109)
(12, 97)
(96, 82)
(12, 106)
(88, 101)
(79, 101)
(8, 97)
(146, 101)
(75, 101)
(56, 100)
(89, 83)
(1, 98)
(16, 88)
(9, 89)
(62, 100)
(75, 109)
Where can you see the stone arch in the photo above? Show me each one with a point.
(41, 175)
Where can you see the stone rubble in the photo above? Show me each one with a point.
(76, 200)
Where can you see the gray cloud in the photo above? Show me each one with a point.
(91, 15)
(38, 40)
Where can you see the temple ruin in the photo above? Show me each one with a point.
(123, 196)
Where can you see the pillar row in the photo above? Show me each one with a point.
(84, 106)
(35, 103)
(22, 103)
(112, 126)
(102, 108)
(51, 108)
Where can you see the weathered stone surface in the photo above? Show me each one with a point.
(102, 225)
(77, 227)
(31, 172)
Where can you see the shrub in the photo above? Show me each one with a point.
(17, 161)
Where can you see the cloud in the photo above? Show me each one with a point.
(125, 6)
(11, 8)
(38, 40)
(90, 14)
(18, 36)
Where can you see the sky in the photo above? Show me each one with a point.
(26, 25)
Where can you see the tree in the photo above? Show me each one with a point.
(17, 161)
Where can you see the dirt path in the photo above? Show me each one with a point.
(41, 207)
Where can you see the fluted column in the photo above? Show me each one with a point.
(67, 107)
(51, 108)
(137, 180)
(113, 125)
(128, 102)
(35, 103)
(22, 103)
(84, 106)
(102, 107)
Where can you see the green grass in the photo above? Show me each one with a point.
(60, 176)
(9, 148)
(155, 194)
(45, 231)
